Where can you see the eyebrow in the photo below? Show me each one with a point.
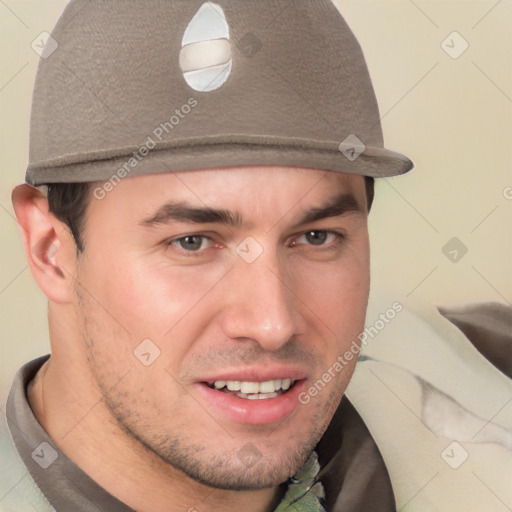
(184, 212)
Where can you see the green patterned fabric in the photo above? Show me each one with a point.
(305, 492)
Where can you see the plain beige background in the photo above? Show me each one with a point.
(453, 117)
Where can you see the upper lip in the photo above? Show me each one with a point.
(257, 374)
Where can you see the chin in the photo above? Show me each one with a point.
(232, 474)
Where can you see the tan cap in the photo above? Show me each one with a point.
(135, 87)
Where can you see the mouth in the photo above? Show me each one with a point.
(254, 396)
(253, 390)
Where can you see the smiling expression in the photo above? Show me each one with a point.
(250, 281)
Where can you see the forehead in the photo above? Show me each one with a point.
(255, 191)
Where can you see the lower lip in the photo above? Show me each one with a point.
(254, 412)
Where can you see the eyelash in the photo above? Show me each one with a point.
(339, 238)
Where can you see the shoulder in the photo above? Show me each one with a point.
(17, 488)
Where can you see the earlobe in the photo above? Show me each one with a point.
(48, 244)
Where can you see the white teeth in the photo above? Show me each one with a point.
(268, 395)
(233, 385)
(249, 387)
(253, 388)
(257, 396)
(267, 387)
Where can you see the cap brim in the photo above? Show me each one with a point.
(183, 155)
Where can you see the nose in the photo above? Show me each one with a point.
(260, 305)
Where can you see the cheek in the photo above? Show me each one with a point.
(150, 300)
(337, 293)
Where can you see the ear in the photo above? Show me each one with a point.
(49, 247)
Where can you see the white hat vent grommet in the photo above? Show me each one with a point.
(205, 56)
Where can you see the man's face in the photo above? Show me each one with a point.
(256, 293)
